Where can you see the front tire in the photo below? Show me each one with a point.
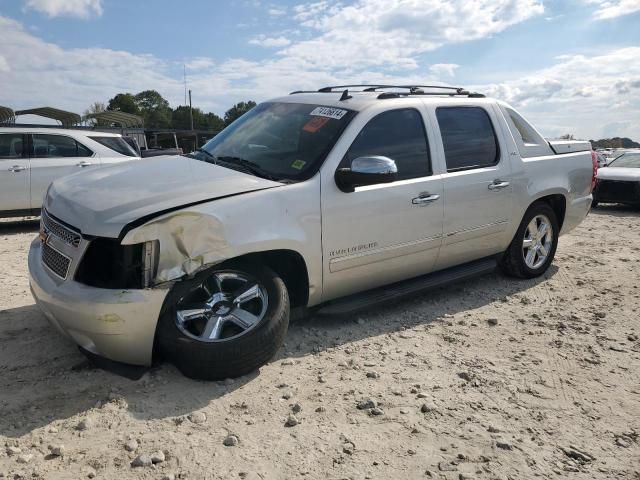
(534, 245)
(225, 322)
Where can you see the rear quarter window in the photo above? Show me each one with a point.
(116, 144)
(468, 138)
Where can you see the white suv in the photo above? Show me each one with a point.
(330, 201)
(31, 158)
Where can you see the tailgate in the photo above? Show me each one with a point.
(569, 146)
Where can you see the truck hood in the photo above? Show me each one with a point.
(102, 201)
(619, 173)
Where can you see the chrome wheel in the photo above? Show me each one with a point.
(227, 304)
(537, 242)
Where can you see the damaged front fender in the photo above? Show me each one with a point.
(188, 240)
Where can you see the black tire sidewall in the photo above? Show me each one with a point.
(228, 358)
(513, 262)
(534, 210)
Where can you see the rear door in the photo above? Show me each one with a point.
(54, 156)
(478, 198)
(14, 172)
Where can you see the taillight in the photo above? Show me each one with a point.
(594, 179)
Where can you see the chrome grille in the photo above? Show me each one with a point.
(64, 233)
(55, 261)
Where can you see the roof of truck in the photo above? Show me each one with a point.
(359, 97)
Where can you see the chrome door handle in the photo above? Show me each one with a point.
(83, 164)
(498, 185)
(17, 168)
(426, 198)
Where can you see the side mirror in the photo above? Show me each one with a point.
(366, 171)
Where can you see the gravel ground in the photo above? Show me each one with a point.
(489, 379)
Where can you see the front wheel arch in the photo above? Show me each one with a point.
(290, 266)
(227, 357)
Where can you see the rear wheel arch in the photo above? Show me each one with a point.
(558, 202)
(513, 261)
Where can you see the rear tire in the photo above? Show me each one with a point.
(201, 354)
(531, 252)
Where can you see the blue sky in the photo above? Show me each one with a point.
(570, 66)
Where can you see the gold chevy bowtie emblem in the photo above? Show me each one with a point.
(43, 236)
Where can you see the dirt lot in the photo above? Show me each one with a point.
(490, 379)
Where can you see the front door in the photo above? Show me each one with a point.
(54, 156)
(14, 172)
(478, 199)
(382, 233)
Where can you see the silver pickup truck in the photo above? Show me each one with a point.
(327, 201)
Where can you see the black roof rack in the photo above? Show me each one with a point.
(405, 90)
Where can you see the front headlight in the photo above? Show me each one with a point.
(109, 264)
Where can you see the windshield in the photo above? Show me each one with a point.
(285, 141)
(628, 160)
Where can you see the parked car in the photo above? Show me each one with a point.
(619, 182)
(330, 201)
(601, 159)
(31, 158)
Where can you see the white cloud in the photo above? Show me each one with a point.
(277, 11)
(448, 69)
(43, 73)
(579, 94)
(200, 63)
(308, 11)
(66, 8)
(607, 9)
(4, 65)
(392, 33)
(270, 42)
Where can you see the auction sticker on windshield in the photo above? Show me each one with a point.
(330, 112)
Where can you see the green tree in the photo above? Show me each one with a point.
(237, 111)
(155, 110)
(213, 122)
(615, 142)
(124, 102)
(181, 120)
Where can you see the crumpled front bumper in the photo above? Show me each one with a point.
(116, 324)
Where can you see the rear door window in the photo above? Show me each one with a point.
(396, 134)
(51, 146)
(11, 145)
(468, 138)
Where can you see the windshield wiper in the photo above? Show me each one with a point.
(208, 154)
(248, 166)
